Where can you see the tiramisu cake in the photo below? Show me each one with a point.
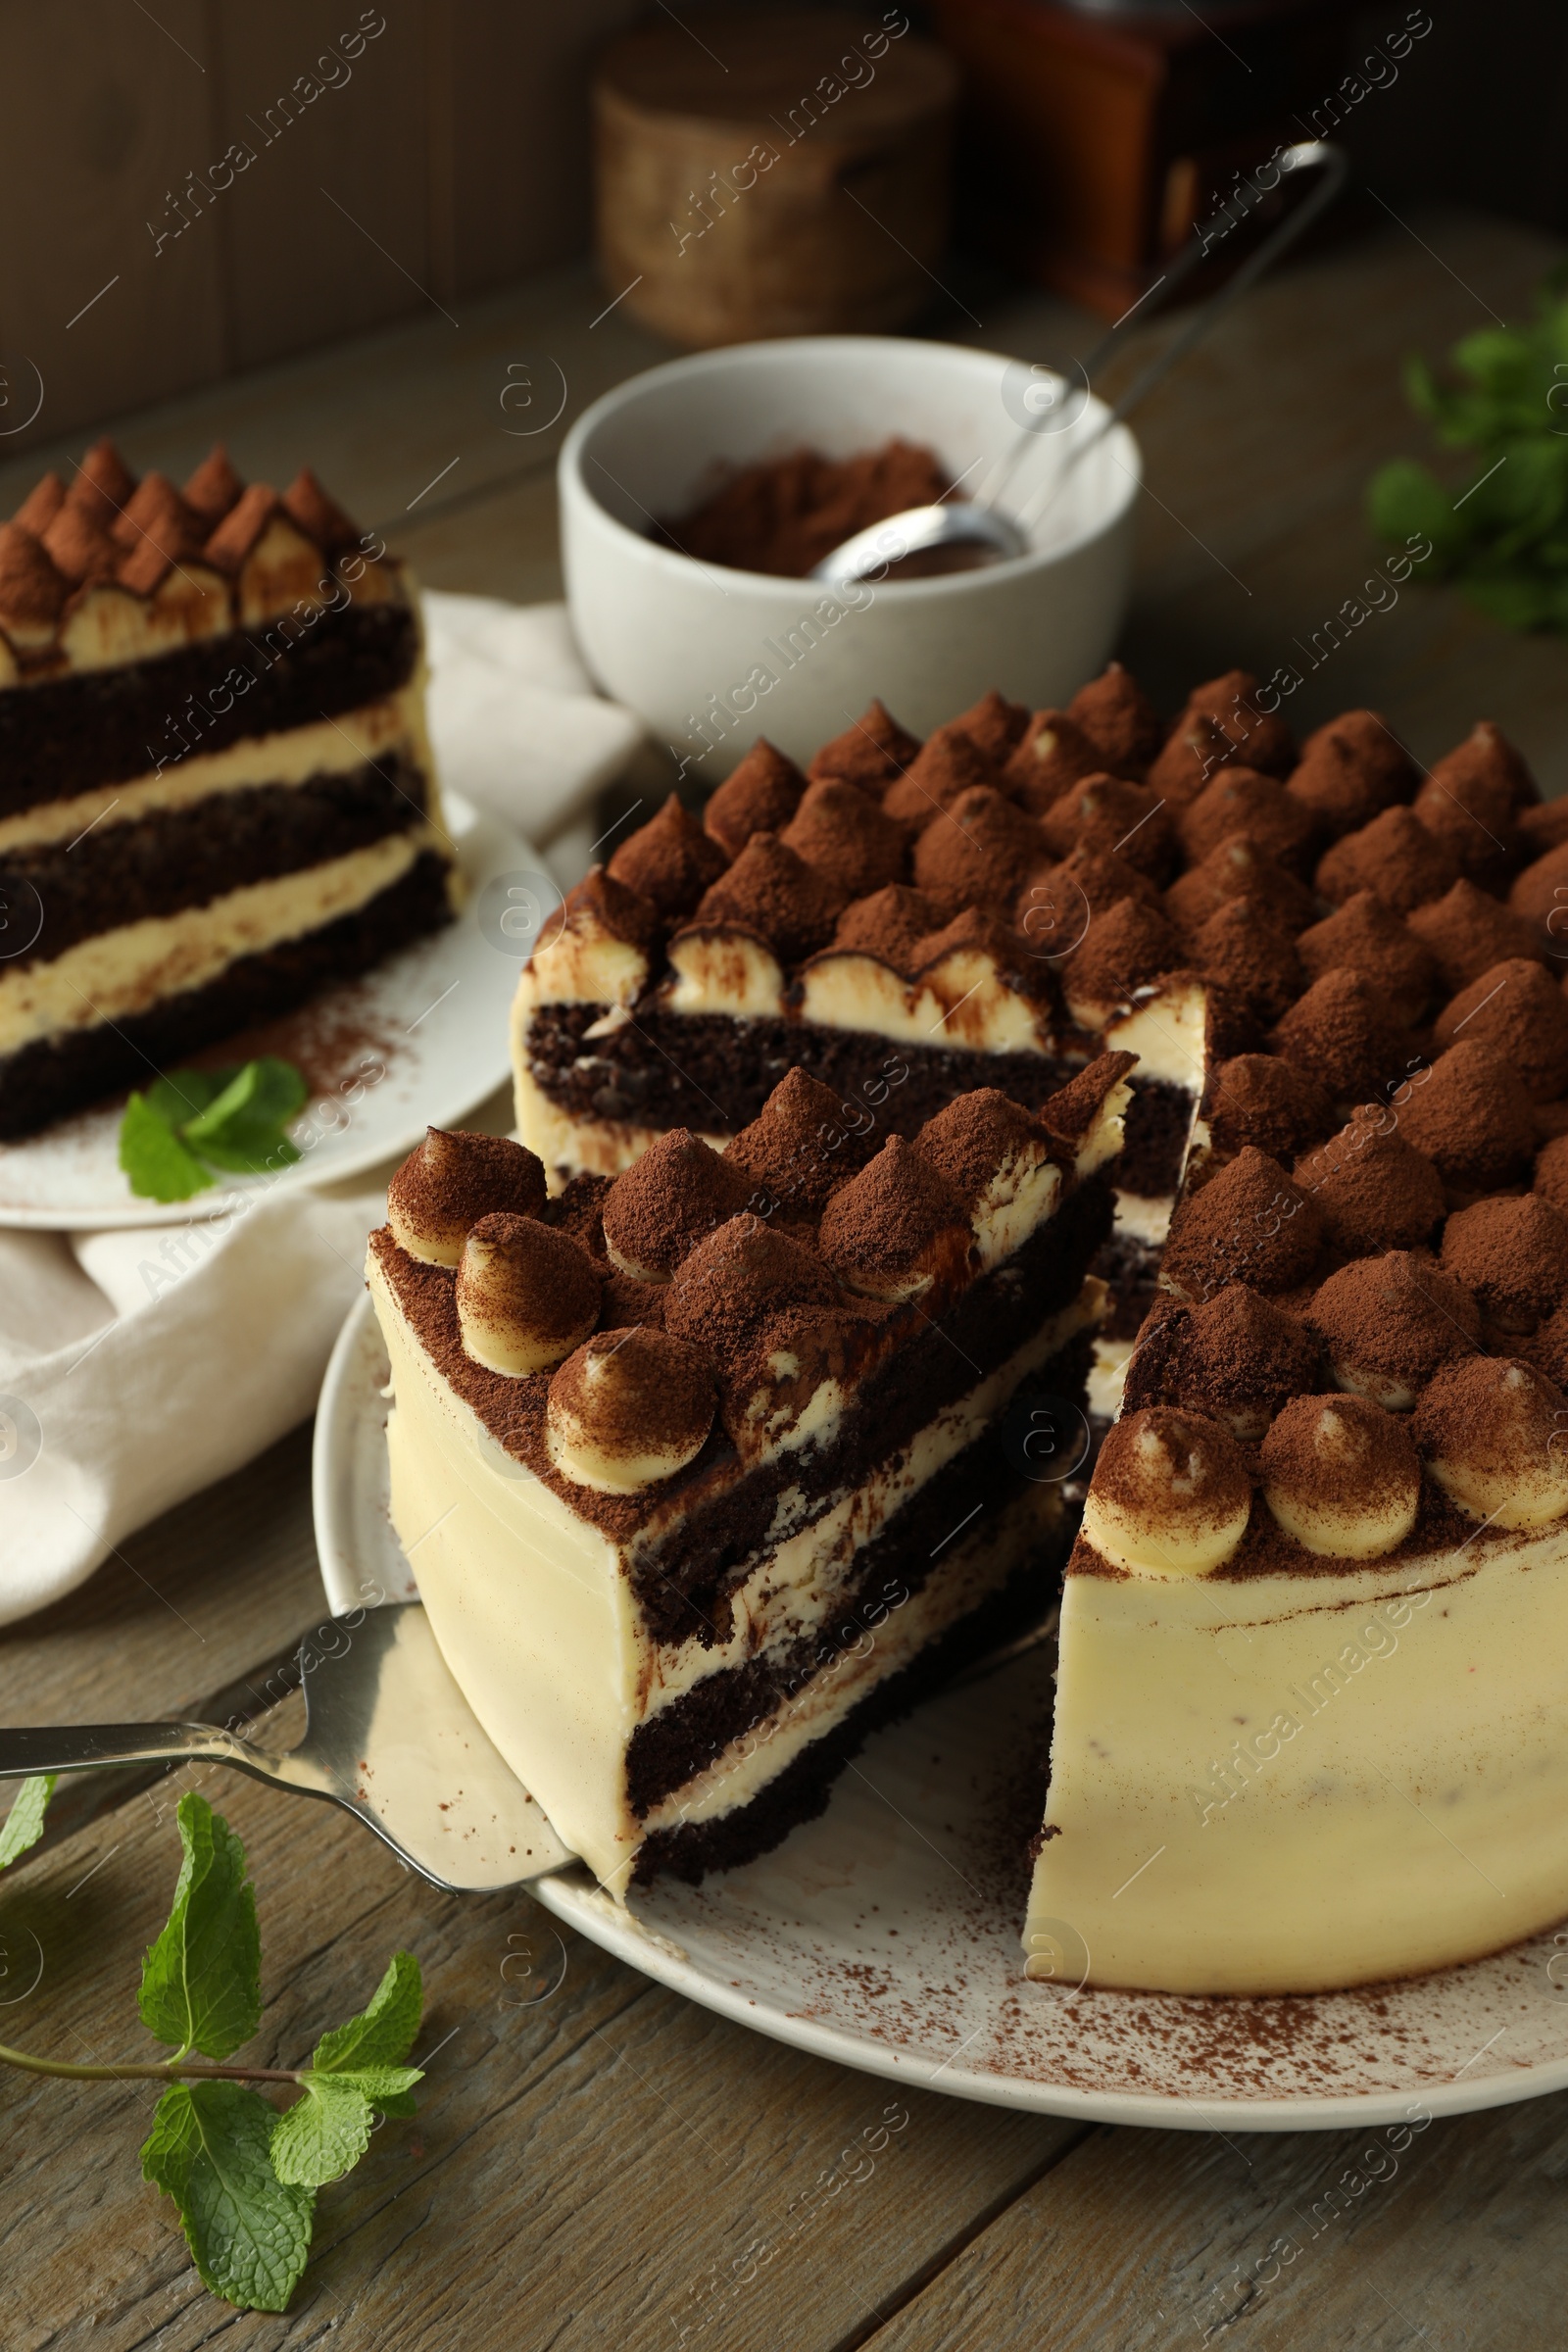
(1311, 1723)
(905, 922)
(707, 1469)
(215, 790)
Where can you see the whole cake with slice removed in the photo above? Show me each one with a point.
(216, 793)
(707, 1469)
(1311, 1715)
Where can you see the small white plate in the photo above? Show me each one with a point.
(886, 1934)
(432, 1022)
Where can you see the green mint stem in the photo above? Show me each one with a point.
(174, 2070)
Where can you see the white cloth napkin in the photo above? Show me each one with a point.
(136, 1367)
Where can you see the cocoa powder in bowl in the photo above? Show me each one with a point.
(785, 514)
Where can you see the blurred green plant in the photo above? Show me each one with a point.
(1503, 540)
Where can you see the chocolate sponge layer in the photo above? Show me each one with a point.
(105, 727)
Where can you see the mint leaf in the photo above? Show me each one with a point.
(1502, 533)
(264, 1094)
(242, 1127)
(249, 2233)
(281, 1093)
(382, 2035)
(153, 1157)
(182, 1096)
(23, 1823)
(328, 2131)
(232, 1118)
(201, 1981)
(233, 1096)
(250, 1150)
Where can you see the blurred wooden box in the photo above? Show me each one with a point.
(1093, 143)
(400, 158)
(796, 184)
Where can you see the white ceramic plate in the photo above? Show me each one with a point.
(433, 1020)
(885, 1935)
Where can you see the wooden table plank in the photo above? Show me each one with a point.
(378, 417)
(1449, 2236)
(608, 2163)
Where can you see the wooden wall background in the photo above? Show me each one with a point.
(453, 157)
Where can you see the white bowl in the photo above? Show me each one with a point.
(709, 657)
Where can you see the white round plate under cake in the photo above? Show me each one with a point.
(417, 1041)
(886, 1934)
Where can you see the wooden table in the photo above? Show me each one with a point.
(611, 2166)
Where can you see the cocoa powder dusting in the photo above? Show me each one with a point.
(1466, 933)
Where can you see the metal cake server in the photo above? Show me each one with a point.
(979, 521)
(388, 1735)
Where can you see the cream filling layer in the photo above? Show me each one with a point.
(534, 1607)
(325, 748)
(961, 1002)
(978, 1567)
(1142, 1217)
(1167, 1028)
(118, 973)
(1286, 1784)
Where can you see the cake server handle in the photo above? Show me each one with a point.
(92, 1746)
(388, 1735)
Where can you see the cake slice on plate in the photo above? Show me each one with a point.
(905, 922)
(215, 790)
(706, 1470)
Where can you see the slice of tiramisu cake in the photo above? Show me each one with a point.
(707, 1469)
(905, 922)
(216, 789)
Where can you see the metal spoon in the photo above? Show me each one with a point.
(970, 520)
(388, 1735)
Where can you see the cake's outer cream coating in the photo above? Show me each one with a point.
(535, 1611)
(1278, 1784)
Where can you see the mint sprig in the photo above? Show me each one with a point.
(192, 1121)
(243, 2177)
(1503, 537)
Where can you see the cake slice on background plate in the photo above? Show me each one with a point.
(706, 1470)
(217, 795)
